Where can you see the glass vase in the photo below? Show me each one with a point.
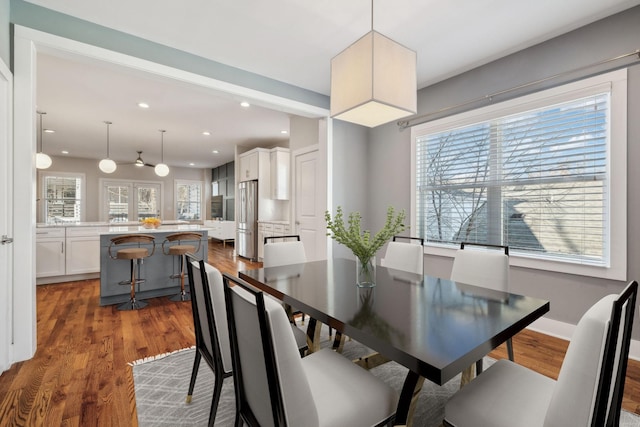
(366, 272)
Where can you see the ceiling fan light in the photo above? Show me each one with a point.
(43, 161)
(162, 169)
(107, 165)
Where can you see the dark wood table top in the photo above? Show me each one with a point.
(433, 326)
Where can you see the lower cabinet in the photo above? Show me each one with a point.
(67, 251)
(270, 229)
(50, 255)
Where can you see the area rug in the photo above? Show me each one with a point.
(161, 385)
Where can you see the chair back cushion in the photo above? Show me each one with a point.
(293, 385)
(488, 269)
(404, 256)
(574, 395)
(283, 253)
(216, 288)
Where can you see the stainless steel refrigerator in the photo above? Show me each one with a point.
(247, 241)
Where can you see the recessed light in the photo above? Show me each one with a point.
(206, 133)
(49, 131)
(64, 152)
(143, 105)
(215, 151)
(245, 104)
(284, 132)
(192, 164)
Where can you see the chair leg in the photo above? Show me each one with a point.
(510, 349)
(133, 303)
(478, 367)
(194, 374)
(217, 391)
(182, 296)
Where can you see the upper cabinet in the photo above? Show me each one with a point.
(280, 167)
(249, 166)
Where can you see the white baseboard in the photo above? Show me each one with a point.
(564, 331)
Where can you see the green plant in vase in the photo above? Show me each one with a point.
(363, 245)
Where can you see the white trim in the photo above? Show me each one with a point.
(177, 182)
(43, 191)
(562, 330)
(617, 169)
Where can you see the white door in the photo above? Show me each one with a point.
(310, 206)
(6, 224)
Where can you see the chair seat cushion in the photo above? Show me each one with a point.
(505, 395)
(181, 249)
(132, 253)
(345, 394)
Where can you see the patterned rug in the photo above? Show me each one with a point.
(161, 385)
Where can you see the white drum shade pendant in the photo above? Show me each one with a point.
(43, 161)
(107, 165)
(162, 169)
(373, 81)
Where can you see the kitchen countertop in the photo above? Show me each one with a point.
(126, 229)
(105, 224)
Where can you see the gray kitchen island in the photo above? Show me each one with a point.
(155, 269)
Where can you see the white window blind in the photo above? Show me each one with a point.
(535, 180)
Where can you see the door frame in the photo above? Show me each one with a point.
(27, 42)
(6, 251)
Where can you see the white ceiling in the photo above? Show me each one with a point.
(291, 41)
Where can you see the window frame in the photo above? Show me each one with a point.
(83, 191)
(132, 209)
(179, 182)
(616, 229)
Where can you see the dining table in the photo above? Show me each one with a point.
(435, 327)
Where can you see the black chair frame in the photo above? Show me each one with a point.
(292, 236)
(243, 410)
(604, 390)
(486, 245)
(214, 360)
(410, 239)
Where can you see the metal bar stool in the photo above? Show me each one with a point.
(133, 253)
(180, 250)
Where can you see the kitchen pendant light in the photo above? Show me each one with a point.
(107, 165)
(162, 169)
(373, 81)
(43, 161)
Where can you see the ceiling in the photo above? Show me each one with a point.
(287, 40)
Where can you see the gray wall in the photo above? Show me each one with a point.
(4, 32)
(303, 132)
(389, 166)
(131, 173)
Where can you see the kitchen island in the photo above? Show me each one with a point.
(155, 269)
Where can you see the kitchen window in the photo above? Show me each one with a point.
(544, 174)
(62, 196)
(189, 200)
(127, 201)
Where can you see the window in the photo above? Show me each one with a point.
(540, 174)
(63, 196)
(126, 201)
(189, 200)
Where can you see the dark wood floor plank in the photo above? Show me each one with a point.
(80, 375)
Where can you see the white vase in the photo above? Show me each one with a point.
(366, 273)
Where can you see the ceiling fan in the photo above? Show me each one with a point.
(139, 162)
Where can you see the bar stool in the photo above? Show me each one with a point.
(132, 254)
(180, 250)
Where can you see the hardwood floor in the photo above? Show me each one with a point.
(79, 375)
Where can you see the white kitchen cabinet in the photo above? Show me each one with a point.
(83, 250)
(50, 252)
(280, 167)
(221, 230)
(249, 166)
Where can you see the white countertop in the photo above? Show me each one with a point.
(105, 224)
(164, 228)
(273, 221)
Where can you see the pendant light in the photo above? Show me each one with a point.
(107, 165)
(162, 169)
(373, 81)
(43, 161)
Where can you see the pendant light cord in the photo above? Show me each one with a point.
(108, 123)
(41, 139)
(162, 131)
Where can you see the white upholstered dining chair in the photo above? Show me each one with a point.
(486, 268)
(276, 387)
(589, 388)
(405, 256)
